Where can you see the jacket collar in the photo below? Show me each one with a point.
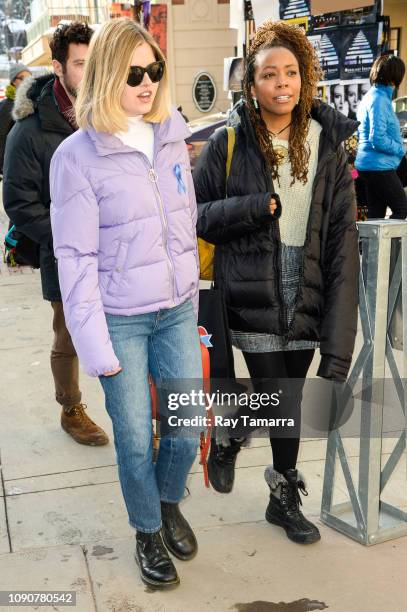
(335, 126)
(36, 96)
(172, 129)
(50, 116)
(386, 89)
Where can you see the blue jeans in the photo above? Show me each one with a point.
(165, 344)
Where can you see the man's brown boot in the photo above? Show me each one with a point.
(82, 429)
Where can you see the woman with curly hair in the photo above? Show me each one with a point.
(286, 255)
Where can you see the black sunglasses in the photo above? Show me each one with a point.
(155, 71)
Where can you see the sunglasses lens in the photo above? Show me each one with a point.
(156, 71)
(135, 76)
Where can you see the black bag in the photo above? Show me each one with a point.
(213, 317)
(20, 250)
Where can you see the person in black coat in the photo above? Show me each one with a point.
(44, 116)
(286, 254)
(17, 73)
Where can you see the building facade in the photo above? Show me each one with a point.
(194, 34)
(199, 38)
(397, 11)
(45, 16)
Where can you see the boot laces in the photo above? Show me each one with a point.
(226, 454)
(79, 411)
(290, 495)
(157, 548)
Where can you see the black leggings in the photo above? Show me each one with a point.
(264, 369)
(384, 189)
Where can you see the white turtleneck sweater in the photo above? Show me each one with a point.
(139, 135)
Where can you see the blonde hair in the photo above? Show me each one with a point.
(106, 71)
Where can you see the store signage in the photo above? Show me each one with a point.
(204, 92)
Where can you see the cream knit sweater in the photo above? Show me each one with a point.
(296, 198)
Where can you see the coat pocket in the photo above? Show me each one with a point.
(119, 266)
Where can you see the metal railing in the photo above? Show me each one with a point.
(366, 517)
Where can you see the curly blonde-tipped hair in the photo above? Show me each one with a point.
(280, 34)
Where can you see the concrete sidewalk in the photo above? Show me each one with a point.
(63, 524)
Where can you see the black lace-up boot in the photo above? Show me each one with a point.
(221, 465)
(156, 568)
(177, 533)
(284, 506)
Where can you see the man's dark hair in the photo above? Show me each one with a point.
(387, 70)
(76, 33)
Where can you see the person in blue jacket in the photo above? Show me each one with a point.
(381, 147)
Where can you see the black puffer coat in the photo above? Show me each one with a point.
(247, 240)
(6, 123)
(39, 131)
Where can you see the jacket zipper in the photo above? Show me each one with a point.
(152, 175)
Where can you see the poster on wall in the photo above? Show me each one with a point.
(158, 25)
(358, 49)
(328, 54)
(293, 9)
(335, 17)
(233, 70)
(323, 91)
(327, 20)
(362, 16)
(321, 6)
(347, 53)
(345, 96)
(302, 22)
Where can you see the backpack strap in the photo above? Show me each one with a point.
(231, 135)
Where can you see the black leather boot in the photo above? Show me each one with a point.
(221, 465)
(284, 506)
(156, 568)
(177, 533)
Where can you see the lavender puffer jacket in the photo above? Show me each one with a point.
(124, 232)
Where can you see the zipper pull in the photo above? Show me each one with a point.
(152, 175)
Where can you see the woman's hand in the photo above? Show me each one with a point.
(113, 372)
(272, 206)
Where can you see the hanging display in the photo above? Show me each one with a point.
(346, 41)
(158, 25)
(358, 50)
(345, 96)
(293, 9)
(347, 53)
(328, 54)
(341, 17)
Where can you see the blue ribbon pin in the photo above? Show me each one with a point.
(178, 175)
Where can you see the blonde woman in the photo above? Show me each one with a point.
(123, 220)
